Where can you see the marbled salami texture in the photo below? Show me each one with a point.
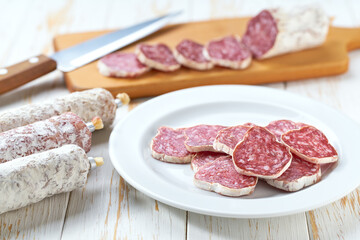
(168, 146)
(279, 127)
(261, 155)
(228, 138)
(300, 174)
(85, 104)
(30, 179)
(202, 158)
(310, 144)
(201, 137)
(220, 176)
(120, 64)
(40, 136)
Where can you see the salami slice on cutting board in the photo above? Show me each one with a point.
(299, 175)
(273, 32)
(202, 158)
(168, 146)
(158, 56)
(221, 177)
(261, 155)
(190, 54)
(228, 52)
(279, 127)
(201, 137)
(228, 138)
(121, 65)
(310, 144)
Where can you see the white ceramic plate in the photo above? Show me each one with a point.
(230, 105)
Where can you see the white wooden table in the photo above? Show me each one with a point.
(109, 208)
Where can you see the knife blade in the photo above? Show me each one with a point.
(76, 56)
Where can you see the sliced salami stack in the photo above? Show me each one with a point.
(229, 160)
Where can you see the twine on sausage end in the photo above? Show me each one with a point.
(124, 98)
(98, 123)
(99, 161)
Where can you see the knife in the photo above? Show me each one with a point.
(76, 56)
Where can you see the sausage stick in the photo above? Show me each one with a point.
(51, 133)
(85, 104)
(30, 179)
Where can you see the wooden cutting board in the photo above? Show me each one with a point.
(329, 59)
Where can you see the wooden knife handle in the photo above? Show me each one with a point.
(18, 74)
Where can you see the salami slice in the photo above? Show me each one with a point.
(121, 65)
(228, 138)
(157, 56)
(40, 136)
(190, 54)
(228, 52)
(279, 127)
(168, 146)
(299, 175)
(202, 158)
(221, 177)
(261, 155)
(273, 32)
(201, 137)
(310, 144)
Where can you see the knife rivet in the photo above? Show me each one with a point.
(3, 71)
(33, 60)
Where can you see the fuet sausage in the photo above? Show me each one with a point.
(85, 104)
(30, 179)
(51, 133)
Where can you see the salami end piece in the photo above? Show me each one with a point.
(202, 158)
(261, 155)
(190, 54)
(228, 138)
(299, 175)
(157, 56)
(168, 146)
(274, 32)
(310, 144)
(228, 52)
(121, 65)
(221, 177)
(201, 137)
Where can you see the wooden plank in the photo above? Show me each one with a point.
(108, 207)
(207, 227)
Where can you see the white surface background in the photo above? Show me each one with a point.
(109, 208)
